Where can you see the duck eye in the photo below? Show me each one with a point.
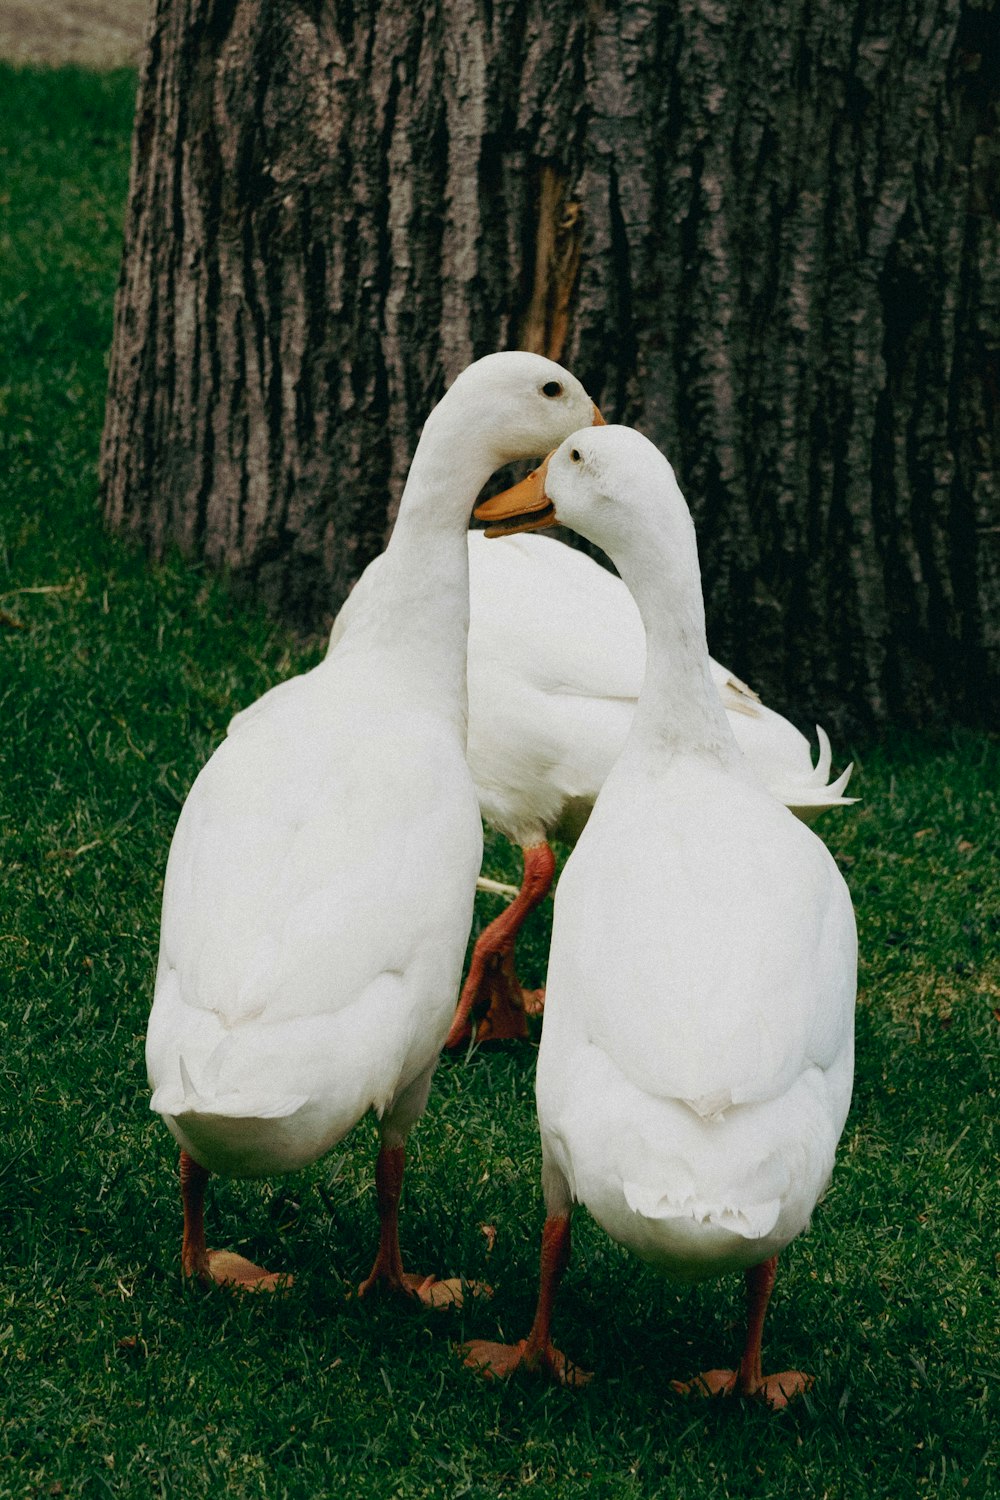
(574, 454)
(552, 388)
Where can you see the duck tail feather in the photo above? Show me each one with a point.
(749, 1221)
(235, 1105)
(821, 770)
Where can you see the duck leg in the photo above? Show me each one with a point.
(388, 1268)
(537, 1351)
(749, 1379)
(492, 991)
(221, 1266)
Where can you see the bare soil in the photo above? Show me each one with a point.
(91, 33)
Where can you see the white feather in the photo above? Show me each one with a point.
(695, 1065)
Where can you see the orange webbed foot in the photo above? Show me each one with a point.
(776, 1391)
(449, 1292)
(493, 1361)
(506, 1020)
(710, 1383)
(502, 1008)
(499, 1361)
(226, 1268)
(433, 1293)
(533, 1001)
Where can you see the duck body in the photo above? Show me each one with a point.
(696, 1063)
(694, 1077)
(304, 978)
(300, 982)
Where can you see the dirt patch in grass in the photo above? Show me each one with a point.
(91, 33)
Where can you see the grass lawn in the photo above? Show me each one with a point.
(116, 680)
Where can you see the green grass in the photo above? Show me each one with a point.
(116, 680)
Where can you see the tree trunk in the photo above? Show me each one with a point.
(766, 235)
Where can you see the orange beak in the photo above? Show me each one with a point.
(525, 506)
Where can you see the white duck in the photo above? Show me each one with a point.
(302, 979)
(691, 1091)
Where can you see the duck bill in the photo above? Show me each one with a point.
(525, 506)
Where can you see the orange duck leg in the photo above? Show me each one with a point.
(224, 1267)
(387, 1272)
(536, 1352)
(492, 993)
(749, 1379)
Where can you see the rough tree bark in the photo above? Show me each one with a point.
(766, 235)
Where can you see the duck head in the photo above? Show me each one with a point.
(609, 484)
(515, 404)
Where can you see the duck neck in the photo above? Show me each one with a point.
(679, 706)
(419, 617)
